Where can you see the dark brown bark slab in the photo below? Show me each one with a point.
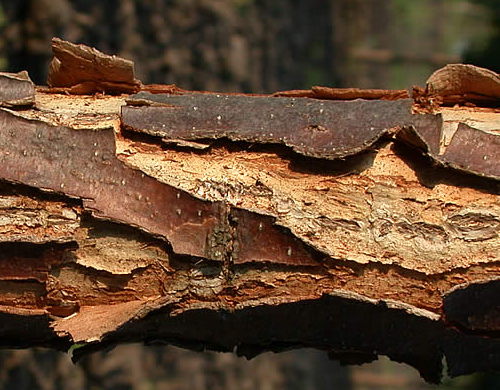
(474, 151)
(84, 165)
(323, 129)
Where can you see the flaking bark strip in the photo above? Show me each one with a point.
(83, 164)
(324, 129)
(328, 93)
(357, 93)
(16, 90)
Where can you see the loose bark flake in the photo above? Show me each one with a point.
(460, 84)
(324, 129)
(85, 70)
(456, 83)
(328, 93)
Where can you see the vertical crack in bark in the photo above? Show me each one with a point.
(221, 242)
(232, 254)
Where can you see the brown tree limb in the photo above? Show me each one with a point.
(391, 247)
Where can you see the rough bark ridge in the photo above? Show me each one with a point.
(253, 223)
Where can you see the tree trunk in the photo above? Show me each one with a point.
(251, 223)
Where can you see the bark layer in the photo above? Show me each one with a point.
(249, 243)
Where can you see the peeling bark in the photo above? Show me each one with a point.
(320, 92)
(457, 83)
(359, 228)
(460, 84)
(84, 70)
(310, 127)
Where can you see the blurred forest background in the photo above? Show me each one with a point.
(249, 46)
(258, 45)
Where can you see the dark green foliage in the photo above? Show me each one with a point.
(488, 56)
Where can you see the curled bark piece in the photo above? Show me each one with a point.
(328, 93)
(459, 83)
(85, 70)
(16, 89)
(358, 93)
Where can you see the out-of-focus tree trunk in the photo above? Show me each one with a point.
(251, 46)
(135, 367)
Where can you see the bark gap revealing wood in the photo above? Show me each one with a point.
(107, 186)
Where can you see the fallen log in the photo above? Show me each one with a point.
(252, 223)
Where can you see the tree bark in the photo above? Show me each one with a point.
(252, 223)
